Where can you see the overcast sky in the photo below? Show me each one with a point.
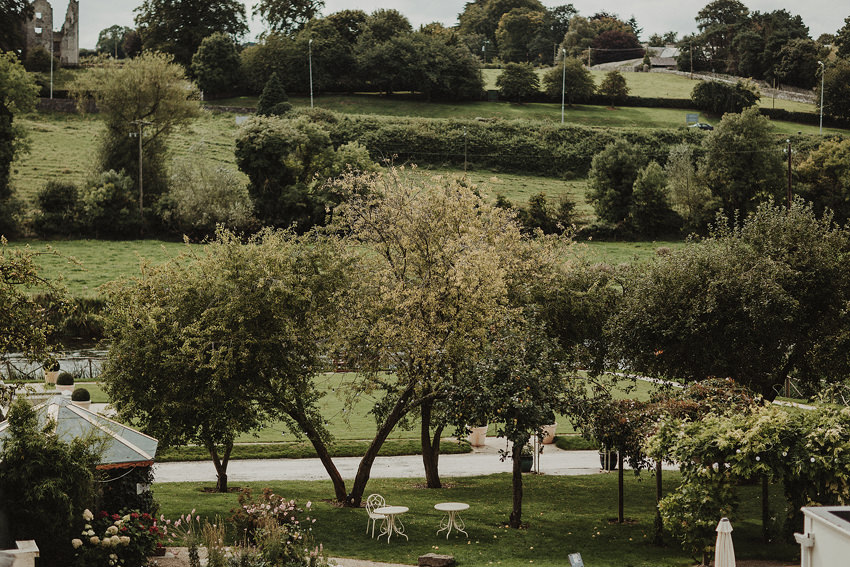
(822, 16)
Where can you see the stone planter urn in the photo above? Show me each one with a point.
(478, 436)
(549, 433)
(85, 404)
(65, 388)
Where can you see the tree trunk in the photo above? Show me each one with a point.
(300, 417)
(362, 478)
(516, 512)
(620, 517)
(220, 464)
(658, 536)
(430, 448)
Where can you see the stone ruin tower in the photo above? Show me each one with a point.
(40, 31)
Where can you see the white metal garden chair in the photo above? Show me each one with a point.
(374, 501)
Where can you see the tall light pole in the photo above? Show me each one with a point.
(820, 129)
(563, 82)
(140, 124)
(51, 56)
(310, 57)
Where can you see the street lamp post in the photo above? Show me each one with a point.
(140, 124)
(51, 58)
(820, 129)
(310, 57)
(563, 82)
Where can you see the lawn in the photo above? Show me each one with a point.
(85, 265)
(564, 515)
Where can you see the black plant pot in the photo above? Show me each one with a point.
(611, 464)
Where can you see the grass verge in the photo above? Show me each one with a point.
(304, 450)
(564, 515)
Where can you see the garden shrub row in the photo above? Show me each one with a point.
(810, 118)
(507, 145)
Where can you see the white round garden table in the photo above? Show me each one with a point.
(393, 524)
(452, 518)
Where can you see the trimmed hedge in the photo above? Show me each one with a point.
(509, 145)
(810, 118)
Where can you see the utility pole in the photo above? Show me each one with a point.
(563, 83)
(140, 124)
(820, 128)
(789, 173)
(310, 46)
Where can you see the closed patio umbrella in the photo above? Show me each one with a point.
(724, 552)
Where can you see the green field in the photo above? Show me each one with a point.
(564, 515)
(84, 265)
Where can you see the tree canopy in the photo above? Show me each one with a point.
(757, 302)
(149, 91)
(178, 27)
(518, 81)
(214, 344)
(287, 16)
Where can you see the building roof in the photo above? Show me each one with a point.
(123, 446)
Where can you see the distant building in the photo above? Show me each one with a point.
(64, 43)
(663, 57)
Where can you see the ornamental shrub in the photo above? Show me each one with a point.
(80, 395)
(126, 539)
(44, 484)
(65, 379)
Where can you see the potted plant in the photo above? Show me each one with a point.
(81, 397)
(549, 433)
(526, 459)
(65, 382)
(478, 436)
(607, 459)
(51, 372)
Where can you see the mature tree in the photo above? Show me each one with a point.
(218, 342)
(13, 17)
(519, 385)
(288, 16)
(655, 40)
(650, 213)
(178, 26)
(842, 39)
(384, 24)
(836, 89)
(689, 198)
(442, 70)
(149, 93)
(132, 43)
(45, 482)
(719, 21)
(558, 20)
(111, 41)
(612, 176)
(614, 86)
(216, 65)
(756, 302)
(439, 279)
(718, 97)
(516, 31)
(18, 92)
(482, 16)
(692, 55)
(25, 321)
(798, 63)
(273, 100)
(334, 64)
(616, 45)
(571, 78)
(825, 174)
(288, 163)
(271, 55)
(742, 164)
(579, 37)
(756, 47)
(518, 80)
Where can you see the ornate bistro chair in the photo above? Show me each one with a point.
(374, 501)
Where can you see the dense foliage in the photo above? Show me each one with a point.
(45, 483)
(718, 97)
(758, 301)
